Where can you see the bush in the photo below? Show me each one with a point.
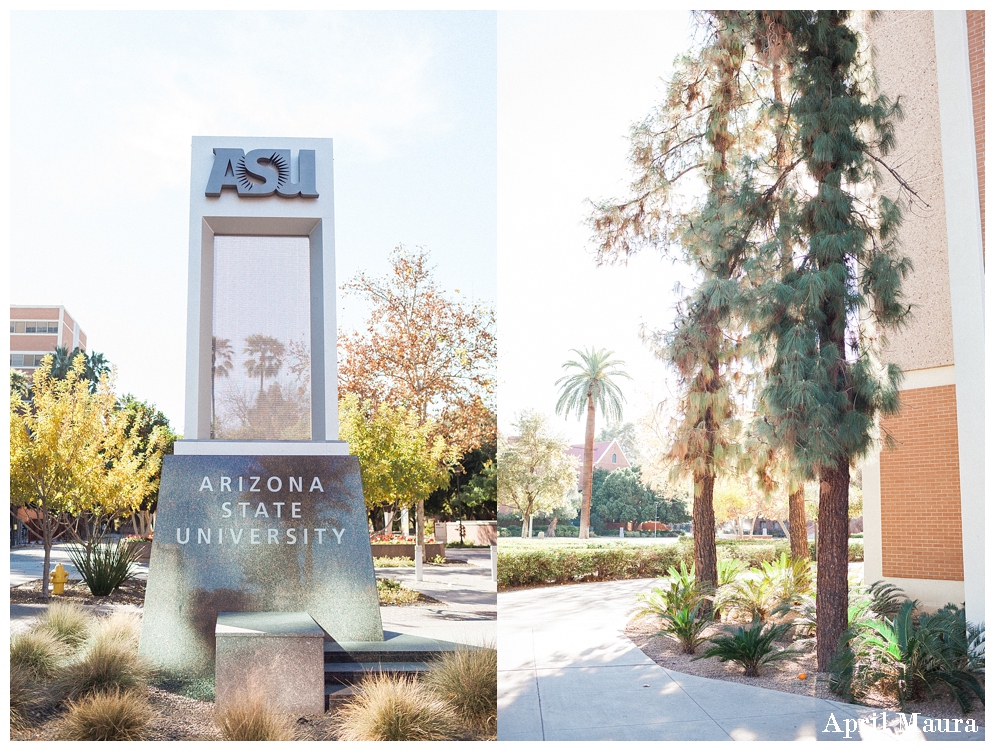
(680, 609)
(68, 623)
(37, 652)
(385, 562)
(104, 566)
(106, 665)
(119, 628)
(250, 718)
(530, 566)
(106, 716)
(467, 680)
(391, 592)
(389, 708)
(910, 656)
(751, 647)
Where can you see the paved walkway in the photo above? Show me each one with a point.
(566, 672)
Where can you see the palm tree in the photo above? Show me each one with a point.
(96, 366)
(269, 353)
(221, 365)
(591, 386)
(62, 359)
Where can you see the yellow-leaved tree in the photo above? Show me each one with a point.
(72, 457)
(401, 461)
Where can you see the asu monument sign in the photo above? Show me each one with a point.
(261, 508)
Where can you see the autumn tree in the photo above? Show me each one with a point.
(73, 454)
(151, 439)
(534, 471)
(400, 460)
(424, 351)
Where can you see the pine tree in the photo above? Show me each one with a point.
(818, 317)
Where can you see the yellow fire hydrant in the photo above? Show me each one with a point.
(59, 579)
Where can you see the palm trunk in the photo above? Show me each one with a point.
(832, 593)
(798, 534)
(585, 504)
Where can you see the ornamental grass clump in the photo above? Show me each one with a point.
(121, 628)
(467, 680)
(751, 647)
(105, 665)
(68, 623)
(911, 656)
(113, 715)
(24, 694)
(392, 708)
(251, 718)
(37, 652)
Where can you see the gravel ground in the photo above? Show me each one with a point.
(779, 676)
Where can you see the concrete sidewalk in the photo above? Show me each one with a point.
(566, 672)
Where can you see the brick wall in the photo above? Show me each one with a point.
(920, 488)
(976, 50)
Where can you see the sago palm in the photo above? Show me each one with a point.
(590, 386)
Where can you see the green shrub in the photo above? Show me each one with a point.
(37, 652)
(107, 664)
(750, 647)
(104, 566)
(791, 577)
(467, 680)
(391, 592)
(390, 708)
(250, 718)
(910, 656)
(680, 608)
(539, 566)
(67, 622)
(113, 715)
(391, 562)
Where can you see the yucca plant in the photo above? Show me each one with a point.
(751, 647)
(908, 657)
(104, 566)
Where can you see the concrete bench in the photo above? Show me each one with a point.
(278, 656)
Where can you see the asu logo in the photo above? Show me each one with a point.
(262, 172)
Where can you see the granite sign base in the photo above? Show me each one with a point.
(256, 534)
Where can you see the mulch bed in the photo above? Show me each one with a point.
(132, 592)
(779, 676)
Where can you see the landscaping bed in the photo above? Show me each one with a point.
(783, 676)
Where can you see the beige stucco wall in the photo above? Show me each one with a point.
(905, 64)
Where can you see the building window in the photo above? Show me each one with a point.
(614, 458)
(34, 327)
(21, 360)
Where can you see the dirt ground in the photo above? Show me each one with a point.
(778, 676)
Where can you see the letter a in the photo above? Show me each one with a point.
(832, 721)
(223, 172)
(206, 485)
(316, 483)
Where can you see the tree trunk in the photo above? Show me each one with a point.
(420, 528)
(551, 529)
(588, 478)
(832, 594)
(46, 540)
(703, 518)
(798, 534)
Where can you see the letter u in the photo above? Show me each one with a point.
(182, 542)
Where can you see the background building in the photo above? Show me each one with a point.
(924, 512)
(35, 330)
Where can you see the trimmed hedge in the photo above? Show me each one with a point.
(541, 566)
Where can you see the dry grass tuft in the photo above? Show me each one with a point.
(38, 652)
(23, 694)
(104, 666)
(252, 719)
(390, 708)
(68, 623)
(467, 680)
(119, 628)
(106, 716)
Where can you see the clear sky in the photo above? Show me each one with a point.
(103, 107)
(477, 135)
(569, 87)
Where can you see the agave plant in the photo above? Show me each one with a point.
(751, 647)
(909, 656)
